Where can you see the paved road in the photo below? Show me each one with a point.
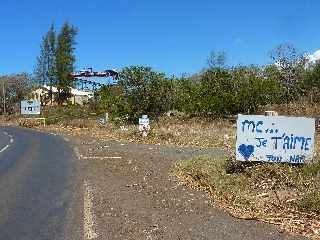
(37, 180)
(42, 194)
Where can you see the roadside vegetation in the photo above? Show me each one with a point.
(217, 91)
(285, 195)
(195, 110)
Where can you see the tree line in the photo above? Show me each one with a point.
(218, 90)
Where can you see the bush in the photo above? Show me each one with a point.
(111, 100)
(235, 91)
(146, 91)
(60, 114)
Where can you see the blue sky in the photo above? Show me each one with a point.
(173, 36)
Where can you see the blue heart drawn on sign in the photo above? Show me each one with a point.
(246, 151)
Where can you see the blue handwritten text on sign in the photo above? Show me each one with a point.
(275, 139)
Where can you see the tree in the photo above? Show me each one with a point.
(51, 59)
(235, 90)
(45, 67)
(311, 83)
(111, 100)
(40, 71)
(217, 92)
(64, 61)
(216, 59)
(14, 88)
(187, 90)
(291, 65)
(147, 91)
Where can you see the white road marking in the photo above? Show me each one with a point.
(66, 139)
(93, 157)
(8, 145)
(5, 148)
(77, 152)
(88, 214)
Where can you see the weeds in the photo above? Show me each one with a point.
(262, 191)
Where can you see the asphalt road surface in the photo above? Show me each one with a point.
(37, 180)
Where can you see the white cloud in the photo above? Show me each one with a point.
(313, 58)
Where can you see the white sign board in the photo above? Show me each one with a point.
(30, 107)
(144, 123)
(275, 139)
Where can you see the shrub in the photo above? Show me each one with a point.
(146, 91)
(111, 100)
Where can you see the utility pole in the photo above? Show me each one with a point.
(4, 98)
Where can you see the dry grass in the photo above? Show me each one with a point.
(280, 194)
(177, 131)
(301, 108)
(168, 131)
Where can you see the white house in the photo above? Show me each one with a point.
(78, 96)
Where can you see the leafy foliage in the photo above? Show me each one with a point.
(216, 59)
(111, 100)
(14, 88)
(146, 91)
(311, 83)
(226, 91)
(216, 91)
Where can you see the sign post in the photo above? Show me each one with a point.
(30, 107)
(144, 125)
(275, 139)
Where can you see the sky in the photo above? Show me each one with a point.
(171, 36)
